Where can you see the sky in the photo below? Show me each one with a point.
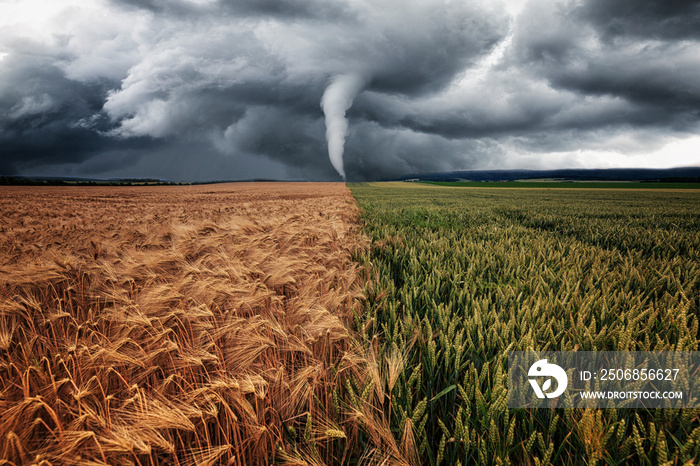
(237, 89)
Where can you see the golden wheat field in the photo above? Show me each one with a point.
(182, 325)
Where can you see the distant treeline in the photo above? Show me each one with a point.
(22, 181)
(640, 175)
(681, 179)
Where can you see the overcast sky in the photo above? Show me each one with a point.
(232, 89)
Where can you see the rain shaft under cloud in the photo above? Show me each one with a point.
(214, 89)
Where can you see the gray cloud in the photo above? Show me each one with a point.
(212, 88)
(48, 118)
(649, 71)
(658, 19)
(661, 76)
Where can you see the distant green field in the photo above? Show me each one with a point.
(465, 276)
(564, 184)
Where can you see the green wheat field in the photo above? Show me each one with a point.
(464, 276)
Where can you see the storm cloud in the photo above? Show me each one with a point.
(222, 89)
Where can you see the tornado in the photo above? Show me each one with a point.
(336, 101)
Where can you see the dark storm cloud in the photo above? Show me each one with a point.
(652, 72)
(291, 137)
(658, 19)
(315, 9)
(177, 8)
(662, 78)
(260, 94)
(209, 87)
(281, 9)
(48, 118)
(564, 84)
(403, 151)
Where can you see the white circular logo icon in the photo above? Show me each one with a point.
(551, 371)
